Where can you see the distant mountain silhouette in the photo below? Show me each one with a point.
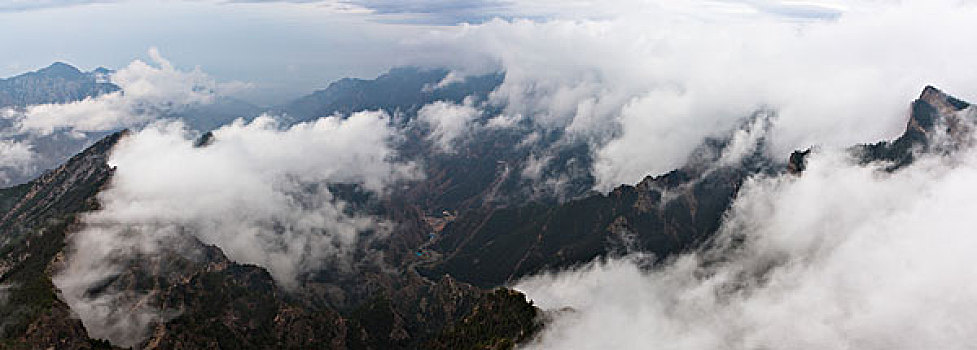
(57, 83)
(404, 89)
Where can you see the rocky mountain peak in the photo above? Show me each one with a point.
(936, 124)
(936, 112)
(943, 103)
(61, 69)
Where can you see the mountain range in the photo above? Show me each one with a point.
(465, 231)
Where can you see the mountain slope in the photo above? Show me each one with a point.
(32, 235)
(660, 215)
(213, 302)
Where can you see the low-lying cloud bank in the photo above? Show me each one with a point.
(841, 257)
(258, 192)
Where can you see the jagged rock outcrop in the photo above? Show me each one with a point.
(798, 161)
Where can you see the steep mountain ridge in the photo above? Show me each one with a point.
(33, 232)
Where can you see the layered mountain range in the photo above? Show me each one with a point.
(464, 231)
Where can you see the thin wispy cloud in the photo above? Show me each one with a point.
(27, 5)
(437, 12)
(804, 10)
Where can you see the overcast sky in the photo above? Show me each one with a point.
(285, 48)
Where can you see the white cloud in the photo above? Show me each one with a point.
(533, 170)
(448, 121)
(645, 81)
(843, 256)
(28, 5)
(503, 121)
(258, 193)
(16, 158)
(745, 140)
